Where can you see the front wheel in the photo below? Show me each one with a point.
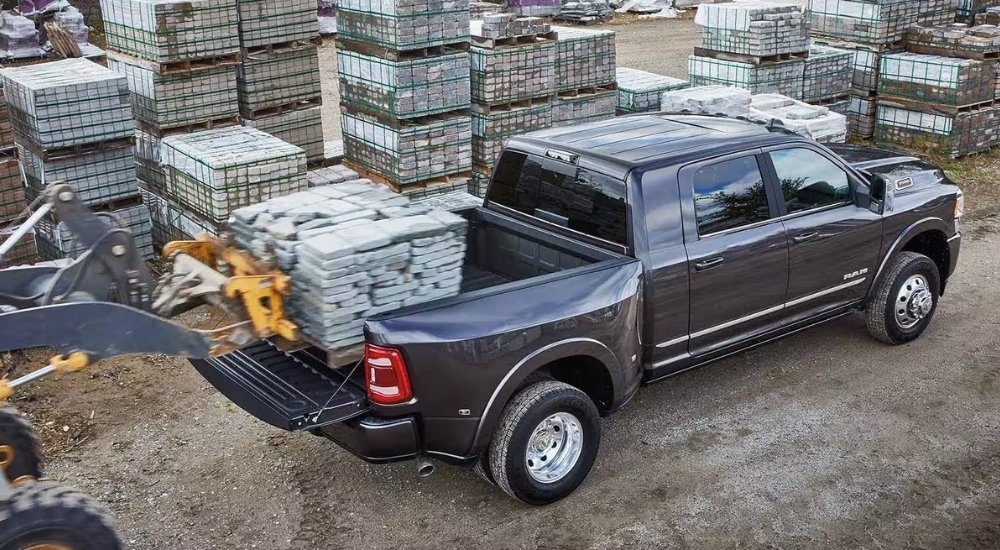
(20, 452)
(906, 299)
(546, 443)
(47, 515)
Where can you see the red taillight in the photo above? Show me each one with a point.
(385, 376)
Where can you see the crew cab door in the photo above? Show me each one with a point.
(833, 244)
(737, 251)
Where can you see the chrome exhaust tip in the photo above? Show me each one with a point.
(424, 467)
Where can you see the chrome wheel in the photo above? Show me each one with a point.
(914, 302)
(554, 447)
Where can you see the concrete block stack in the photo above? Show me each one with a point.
(936, 12)
(354, 250)
(981, 42)
(533, 8)
(945, 103)
(214, 172)
(55, 241)
(478, 10)
(585, 11)
(278, 80)
(19, 38)
(12, 207)
(179, 59)
(991, 16)
(827, 77)
(753, 45)
(970, 11)
(405, 95)
(513, 85)
(586, 67)
(871, 29)
(640, 91)
(72, 121)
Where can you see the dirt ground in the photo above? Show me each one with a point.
(825, 439)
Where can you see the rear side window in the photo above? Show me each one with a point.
(729, 194)
(563, 194)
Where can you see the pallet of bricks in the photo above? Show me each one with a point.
(180, 61)
(640, 91)
(826, 78)
(941, 94)
(72, 122)
(973, 12)
(757, 46)
(586, 72)
(405, 92)
(871, 29)
(513, 64)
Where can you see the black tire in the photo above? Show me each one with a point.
(16, 433)
(880, 313)
(526, 411)
(43, 513)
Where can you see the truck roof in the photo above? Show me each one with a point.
(624, 143)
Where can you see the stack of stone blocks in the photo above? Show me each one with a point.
(354, 250)
(936, 12)
(640, 91)
(72, 121)
(753, 45)
(513, 86)
(827, 77)
(405, 92)
(12, 206)
(278, 80)
(586, 65)
(975, 11)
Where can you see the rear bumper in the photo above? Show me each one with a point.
(374, 439)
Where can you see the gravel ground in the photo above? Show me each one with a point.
(824, 439)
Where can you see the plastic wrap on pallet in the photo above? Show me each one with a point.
(953, 135)
(640, 91)
(18, 37)
(583, 108)
(491, 129)
(24, 253)
(300, 127)
(508, 25)
(936, 12)
(99, 177)
(584, 58)
(354, 250)
(708, 100)
(147, 163)
(171, 30)
(66, 103)
(513, 73)
(56, 241)
(326, 15)
(12, 198)
(217, 171)
(753, 28)
(533, 8)
(73, 22)
(861, 116)
(585, 11)
(875, 22)
(404, 24)
(410, 153)
(406, 88)
(827, 73)
(268, 80)
(167, 101)
(936, 79)
(267, 22)
(781, 77)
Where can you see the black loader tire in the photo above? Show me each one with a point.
(16, 433)
(525, 411)
(44, 513)
(880, 313)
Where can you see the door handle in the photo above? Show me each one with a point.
(709, 264)
(805, 237)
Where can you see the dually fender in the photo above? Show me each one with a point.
(522, 370)
(918, 227)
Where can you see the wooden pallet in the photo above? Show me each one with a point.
(507, 106)
(159, 132)
(56, 153)
(589, 90)
(255, 114)
(398, 123)
(826, 101)
(944, 51)
(406, 188)
(185, 66)
(514, 41)
(751, 59)
(935, 108)
(584, 21)
(282, 47)
(389, 54)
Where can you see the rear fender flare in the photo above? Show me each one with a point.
(530, 364)
(926, 224)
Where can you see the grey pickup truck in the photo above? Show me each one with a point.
(607, 256)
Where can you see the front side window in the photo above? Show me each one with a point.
(729, 194)
(809, 180)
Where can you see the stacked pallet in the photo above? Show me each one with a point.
(640, 91)
(12, 210)
(757, 46)
(586, 66)
(827, 77)
(871, 29)
(585, 11)
(405, 92)
(179, 59)
(936, 12)
(72, 121)
(970, 11)
(513, 85)
(278, 79)
(534, 8)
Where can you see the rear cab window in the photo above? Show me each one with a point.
(729, 194)
(562, 194)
